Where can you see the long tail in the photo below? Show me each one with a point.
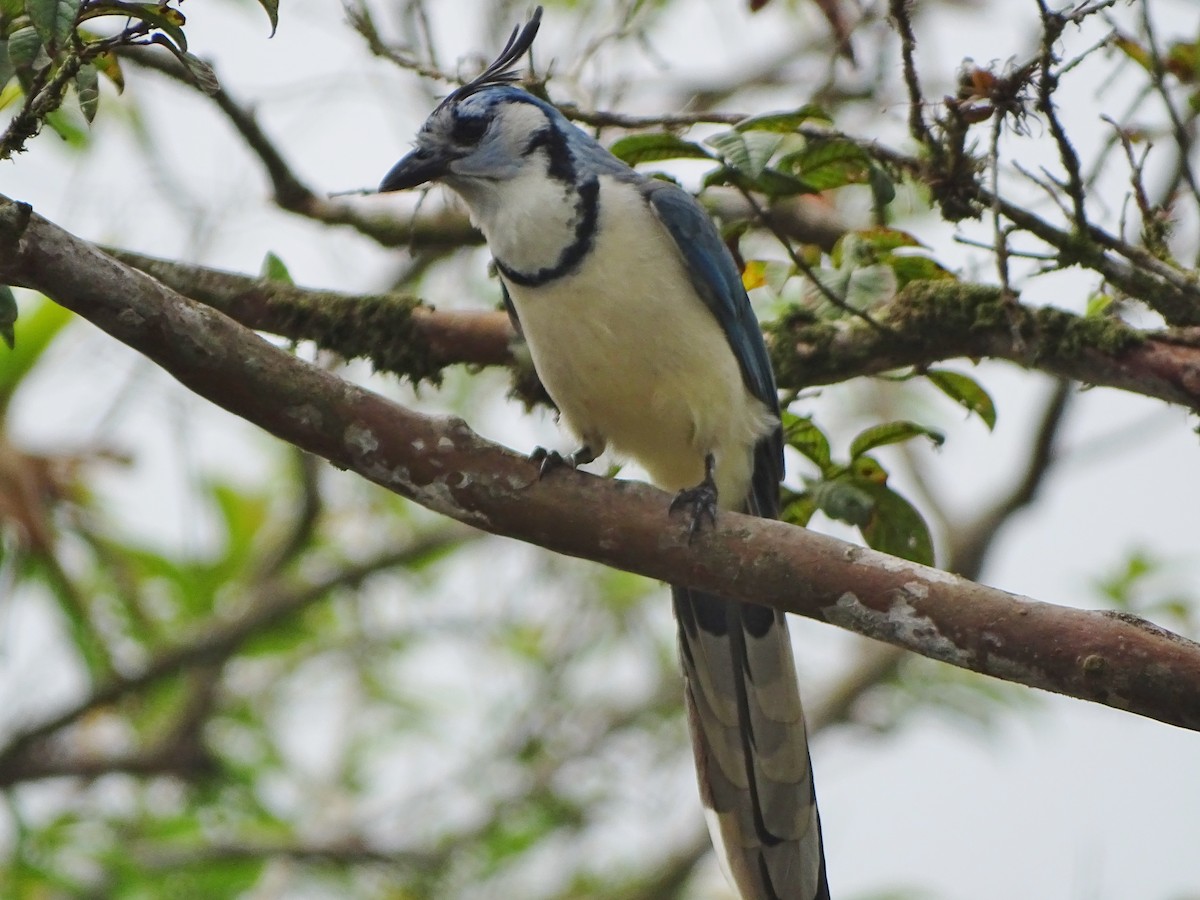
(751, 749)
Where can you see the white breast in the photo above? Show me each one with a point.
(635, 360)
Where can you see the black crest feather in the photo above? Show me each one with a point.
(501, 69)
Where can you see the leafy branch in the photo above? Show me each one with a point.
(49, 46)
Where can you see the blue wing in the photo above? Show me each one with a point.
(715, 277)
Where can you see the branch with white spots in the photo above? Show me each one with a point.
(1115, 659)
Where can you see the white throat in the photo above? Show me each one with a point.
(529, 220)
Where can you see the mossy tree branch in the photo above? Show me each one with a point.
(926, 323)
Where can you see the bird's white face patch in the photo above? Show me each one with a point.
(500, 153)
(527, 216)
(515, 123)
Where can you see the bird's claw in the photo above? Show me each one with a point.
(551, 459)
(701, 499)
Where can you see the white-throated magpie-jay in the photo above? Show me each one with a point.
(642, 334)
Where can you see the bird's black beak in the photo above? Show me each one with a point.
(419, 167)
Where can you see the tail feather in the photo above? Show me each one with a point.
(751, 749)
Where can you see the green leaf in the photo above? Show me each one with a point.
(25, 53)
(8, 316)
(803, 434)
(797, 508)
(272, 10)
(748, 153)
(770, 273)
(274, 269)
(891, 433)
(860, 497)
(785, 122)
(1098, 304)
(843, 499)
(731, 147)
(827, 280)
(883, 188)
(68, 127)
(771, 182)
(895, 526)
(87, 87)
(871, 286)
(829, 164)
(884, 239)
(851, 250)
(777, 274)
(918, 268)
(1135, 51)
(878, 245)
(860, 288)
(640, 148)
(158, 706)
(110, 67)
(966, 392)
(7, 71)
(1183, 61)
(54, 20)
(868, 468)
(200, 72)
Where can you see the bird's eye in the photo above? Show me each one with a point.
(468, 130)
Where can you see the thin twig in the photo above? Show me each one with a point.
(1000, 235)
(1013, 254)
(1047, 83)
(1154, 224)
(899, 12)
(1183, 140)
(361, 20)
(1050, 187)
(609, 119)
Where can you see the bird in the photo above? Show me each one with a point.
(640, 330)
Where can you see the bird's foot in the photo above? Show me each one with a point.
(551, 459)
(701, 500)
